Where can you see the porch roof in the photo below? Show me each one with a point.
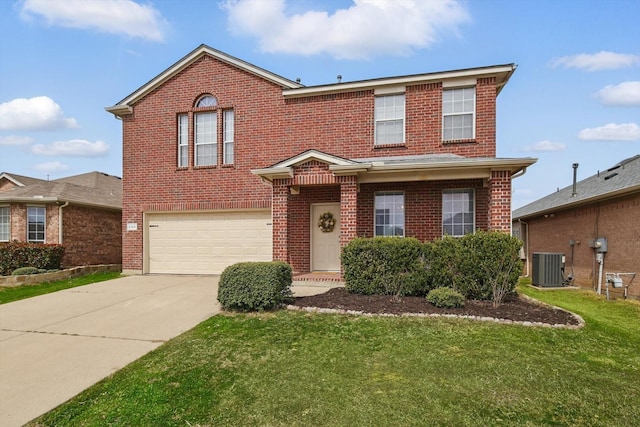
(428, 167)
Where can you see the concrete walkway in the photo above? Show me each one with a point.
(54, 346)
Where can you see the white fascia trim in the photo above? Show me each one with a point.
(397, 81)
(12, 179)
(188, 60)
(314, 155)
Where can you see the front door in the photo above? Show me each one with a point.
(325, 237)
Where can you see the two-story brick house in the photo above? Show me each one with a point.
(224, 161)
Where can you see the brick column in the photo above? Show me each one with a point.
(348, 209)
(500, 201)
(280, 213)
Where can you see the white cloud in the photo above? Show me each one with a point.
(546, 145)
(73, 147)
(612, 132)
(51, 167)
(625, 94)
(39, 113)
(602, 60)
(107, 16)
(15, 140)
(368, 27)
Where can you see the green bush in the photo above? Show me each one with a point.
(445, 298)
(25, 270)
(384, 265)
(17, 254)
(253, 286)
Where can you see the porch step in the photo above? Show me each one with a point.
(322, 279)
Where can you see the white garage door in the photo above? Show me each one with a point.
(206, 243)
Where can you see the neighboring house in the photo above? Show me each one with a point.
(82, 212)
(225, 162)
(602, 210)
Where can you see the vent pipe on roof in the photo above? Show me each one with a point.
(575, 176)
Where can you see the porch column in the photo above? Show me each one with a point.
(500, 201)
(280, 214)
(348, 209)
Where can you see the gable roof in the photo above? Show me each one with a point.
(621, 179)
(19, 180)
(95, 189)
(124, 107)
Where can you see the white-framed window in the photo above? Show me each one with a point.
(183, 140)
(458, 113)
(389, 214)
(207, 101)
(227, 138)
(206, 138)
(458, 212)
(389, 118)
(36, 224)
(5, 223)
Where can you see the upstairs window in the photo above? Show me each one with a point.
(389, 118)
(5, 224)
(227, 139)
(389, 214)
(458, 215)
(206, 139)
(36, 217)
(207, 101)
(459, 111)
(183, 140)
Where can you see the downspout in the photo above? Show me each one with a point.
(526, 245)
(60, 221)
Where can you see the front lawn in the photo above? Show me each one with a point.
(297, 369)
(10, 294)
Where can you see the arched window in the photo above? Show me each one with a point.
(207, 101)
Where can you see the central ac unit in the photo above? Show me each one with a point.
(548, 269)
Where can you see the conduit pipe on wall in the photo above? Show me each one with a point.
(526, 245)
(600, 260)
(60, 221)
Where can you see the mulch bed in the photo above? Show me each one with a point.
(515, 308)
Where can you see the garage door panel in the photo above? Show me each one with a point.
(206, 243)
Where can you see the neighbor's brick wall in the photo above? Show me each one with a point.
(616, 219)
(268, 129)
(91, 236)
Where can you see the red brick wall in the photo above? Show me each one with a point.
(90, 236)
(616, 219)
(500, 201)
(268, 129)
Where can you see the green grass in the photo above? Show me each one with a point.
(10, 294)
(297, 369)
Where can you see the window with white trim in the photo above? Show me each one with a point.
(458, 213)
(183, 140)
(5, 223)
(389, 118)
(458, 113)
(207, 101)
(206, 138)
(389, 214)
(36, 220)
(227, 138)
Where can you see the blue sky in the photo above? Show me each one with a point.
(575, 97)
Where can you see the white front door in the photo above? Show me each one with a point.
(325, 245)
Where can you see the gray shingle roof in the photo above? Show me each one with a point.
(91, 189)
(622, 178)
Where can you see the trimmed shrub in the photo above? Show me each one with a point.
(445, 298)
(255, 286)
(17, 254)
(25, 270)
(384, 266)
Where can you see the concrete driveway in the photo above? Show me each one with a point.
(54, 346)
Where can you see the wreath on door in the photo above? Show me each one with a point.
(327, 222)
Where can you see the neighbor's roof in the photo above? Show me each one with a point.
(620, 179)
(95, 189)
(293, 89)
